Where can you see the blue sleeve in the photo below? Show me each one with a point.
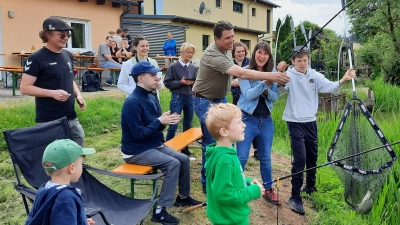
(273, 92)
(249, 92)
(65, 212)
(133, 118)
(164, 47)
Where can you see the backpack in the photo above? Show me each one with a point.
(91, 81)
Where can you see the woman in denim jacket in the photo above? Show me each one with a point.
(256, 104)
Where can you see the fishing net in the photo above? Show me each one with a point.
(363, 174)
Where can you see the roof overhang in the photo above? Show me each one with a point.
(269, 3)
(179, 19)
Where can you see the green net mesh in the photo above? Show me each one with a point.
(362, 175)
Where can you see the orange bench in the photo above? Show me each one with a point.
(16, 72)
(177, 143)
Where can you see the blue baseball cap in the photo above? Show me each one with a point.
(144, 67)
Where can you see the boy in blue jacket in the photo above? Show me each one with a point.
(56, 201)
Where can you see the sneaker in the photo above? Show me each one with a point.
(109, 84)
(270, 196)
(164, 218)
(188, 201)
(296, 204)
(308, 190)
(256, 154)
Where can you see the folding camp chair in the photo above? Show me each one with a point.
(26, 147)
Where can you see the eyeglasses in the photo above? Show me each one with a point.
(62, 36)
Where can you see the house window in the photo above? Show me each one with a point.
(141, 8)
(80, 39)
(268, 21)
(237, 7)
(206, 41)
(246, 42)
(218, 3)
(253, 12)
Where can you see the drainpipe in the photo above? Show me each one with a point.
(248, 13)
(121, 18)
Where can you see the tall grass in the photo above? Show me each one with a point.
(387, 96)
(329, 200)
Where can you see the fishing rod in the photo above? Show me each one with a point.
(321, 29)
(332, 162)
(346, 32)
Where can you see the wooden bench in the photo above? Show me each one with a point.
(82, 68)
(16, 72)
(177, 143)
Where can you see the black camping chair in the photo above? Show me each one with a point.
(26, 147)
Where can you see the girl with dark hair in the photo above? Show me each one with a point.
(140, 51)
(256, 104)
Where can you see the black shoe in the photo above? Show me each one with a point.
(188, 201)
(256, 154)
(164, 218)
(296, 204)
(204, 189)
(186, 151)
(308, 190)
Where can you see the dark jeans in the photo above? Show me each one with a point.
(179, 102)
(201, 106)
(304, 141)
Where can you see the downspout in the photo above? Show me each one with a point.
(121, 18)
(248, 13)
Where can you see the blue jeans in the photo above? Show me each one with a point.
(201, 106)
(177, 103)
(109, 64)
(263, 129)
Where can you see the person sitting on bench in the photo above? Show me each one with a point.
(142, 124)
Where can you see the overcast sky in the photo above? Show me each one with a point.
(315, 11)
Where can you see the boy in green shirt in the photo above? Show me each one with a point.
(228, 190)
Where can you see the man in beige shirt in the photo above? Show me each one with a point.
(214, 79)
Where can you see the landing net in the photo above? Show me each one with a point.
(362, 175)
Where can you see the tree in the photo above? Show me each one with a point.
(324, 47)
(284, 32)
(378, 22)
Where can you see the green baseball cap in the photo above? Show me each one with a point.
(62, 153)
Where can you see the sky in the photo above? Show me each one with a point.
(315, 11)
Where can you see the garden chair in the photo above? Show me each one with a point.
(26, 147)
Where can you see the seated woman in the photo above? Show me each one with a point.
(140, 51)
(256, 104)
(179, 80)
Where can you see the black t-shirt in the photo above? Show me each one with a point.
(261, 109)
(53, 71)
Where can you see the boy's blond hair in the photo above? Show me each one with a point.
(220, 116)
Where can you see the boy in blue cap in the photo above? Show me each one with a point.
(56, 201)
(142, 124)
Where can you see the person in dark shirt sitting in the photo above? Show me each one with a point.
(142, 124)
